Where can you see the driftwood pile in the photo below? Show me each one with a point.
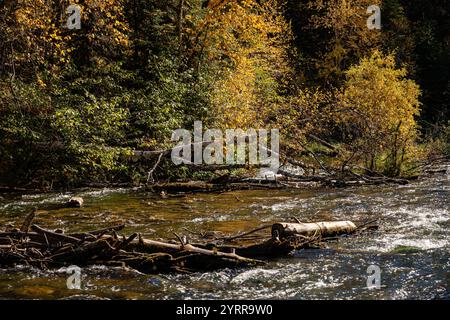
(33, 245)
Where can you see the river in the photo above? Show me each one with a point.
(411, 247)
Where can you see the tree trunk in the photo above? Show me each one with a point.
(324, 229)
(180, 25)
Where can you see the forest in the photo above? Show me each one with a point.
(224, 149)
(77, 103)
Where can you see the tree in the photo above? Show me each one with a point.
(331, 36)
(377, 110)
(244, 44)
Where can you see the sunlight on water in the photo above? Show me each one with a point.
(411, 247)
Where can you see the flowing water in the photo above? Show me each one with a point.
(411, 247)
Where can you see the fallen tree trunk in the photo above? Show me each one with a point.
(53, 236)
(152, 246)
(272, 248)
(99, 232)
(48, 249)
(324, 229)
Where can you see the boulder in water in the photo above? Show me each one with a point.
(75, 202)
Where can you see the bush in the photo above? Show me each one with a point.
(377, 109)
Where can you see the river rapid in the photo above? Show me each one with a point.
(411, 247)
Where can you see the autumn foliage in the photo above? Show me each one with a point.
(74, 103)
(377, 109)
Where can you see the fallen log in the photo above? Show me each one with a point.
(268, 249)
(22, 236)
(100, 232)
(83, 255)
(53, 236)
(324, 229)
(46, 249)
(152, 246)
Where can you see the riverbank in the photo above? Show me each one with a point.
(285, 179)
